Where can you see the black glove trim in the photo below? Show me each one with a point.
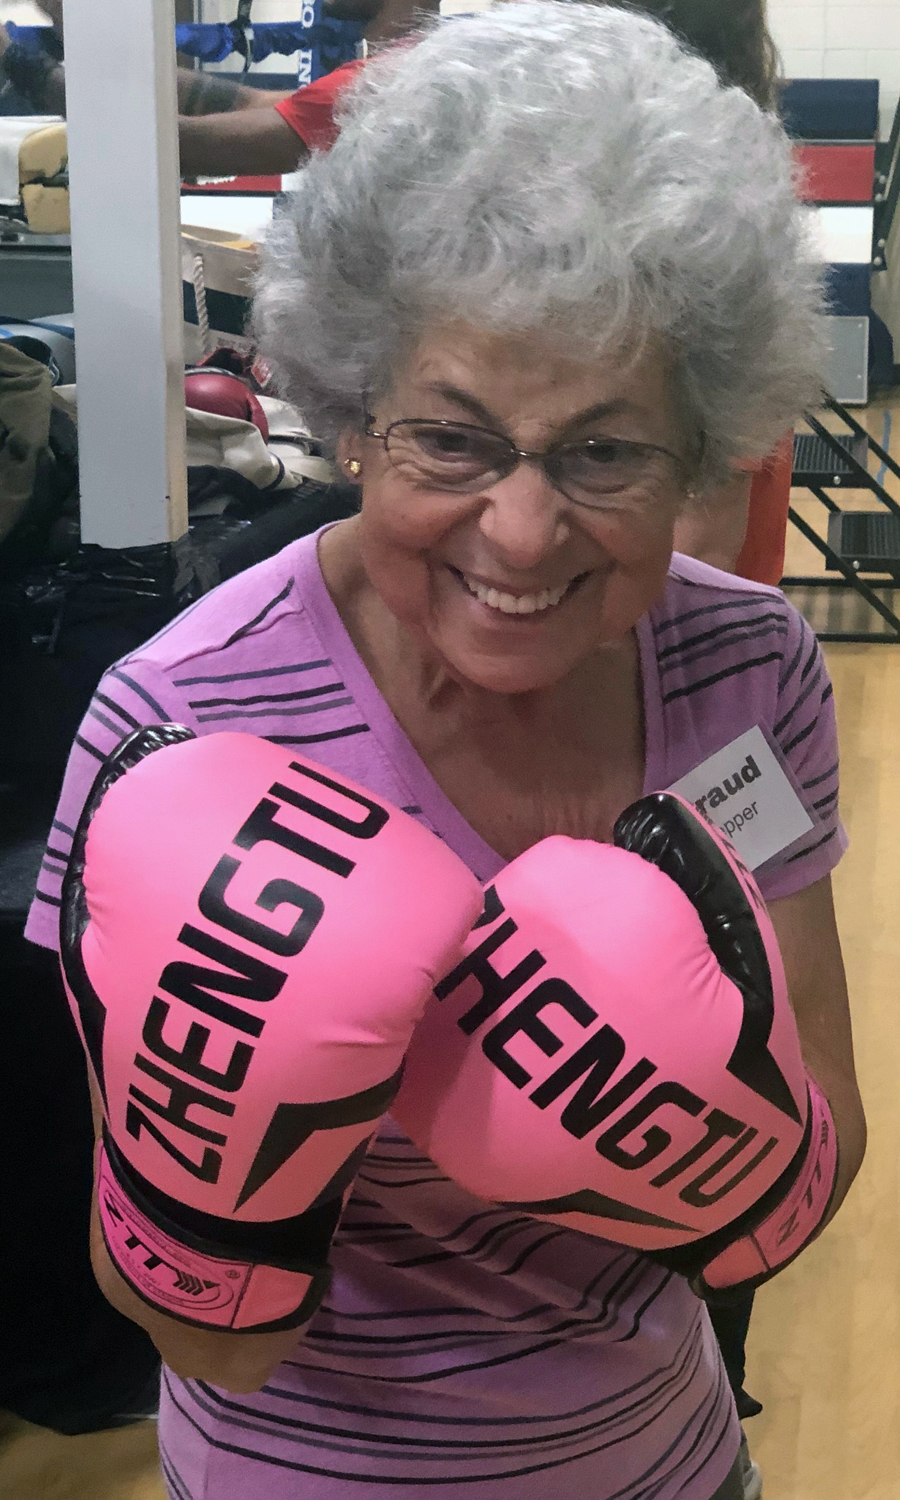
(300, 1243)
(662, 831)
(74, 915)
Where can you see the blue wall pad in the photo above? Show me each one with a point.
(831, 109)
(850, 290)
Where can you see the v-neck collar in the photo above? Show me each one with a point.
(425, 792)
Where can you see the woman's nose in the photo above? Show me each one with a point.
(525, 517)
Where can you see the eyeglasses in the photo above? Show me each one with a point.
(463, 458)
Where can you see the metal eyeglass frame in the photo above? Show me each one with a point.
(543, 457)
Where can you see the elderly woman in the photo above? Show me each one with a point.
(551, 279)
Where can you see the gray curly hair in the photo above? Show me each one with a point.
(556, 167)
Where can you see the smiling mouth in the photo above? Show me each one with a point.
(517, 604)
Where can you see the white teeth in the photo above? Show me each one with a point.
(515, 604)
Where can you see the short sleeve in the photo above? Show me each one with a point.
(310, 111)
(129, 696)
(805, 732)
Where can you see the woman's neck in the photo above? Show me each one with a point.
(415, 678)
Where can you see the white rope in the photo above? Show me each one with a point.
(199, 281)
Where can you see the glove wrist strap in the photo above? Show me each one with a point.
(794, 1222)
(192, 1286)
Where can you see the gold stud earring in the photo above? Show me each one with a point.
(353, 466)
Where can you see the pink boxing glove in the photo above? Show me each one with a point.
(617, 1052)
(247, 943)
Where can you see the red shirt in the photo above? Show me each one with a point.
(762, 555)
(310, 112)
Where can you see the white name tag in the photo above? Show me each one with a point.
(745, 792)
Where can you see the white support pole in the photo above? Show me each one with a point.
(126, 262)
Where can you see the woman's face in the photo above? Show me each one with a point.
(513, 584)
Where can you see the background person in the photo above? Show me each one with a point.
(734, 38)
(228, 128)
(513, 233)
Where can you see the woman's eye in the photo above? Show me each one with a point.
(602, 453)
(452, 442)
(444, 444)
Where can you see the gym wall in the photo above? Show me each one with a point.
(22, 13)
(836, 39)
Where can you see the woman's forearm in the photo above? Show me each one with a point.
(247, 141)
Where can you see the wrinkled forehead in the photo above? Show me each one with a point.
(535, 384)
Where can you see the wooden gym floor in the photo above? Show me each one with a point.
(824, 1352)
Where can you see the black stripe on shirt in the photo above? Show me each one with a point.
(63, 828)
(50, 900)
(117, 709)
(408, 1183)
(243, 630)
(142, 693)
(817, 780)
(509, 1358)
(729, 640)
(811, 659)
(435, 1341)
(91, 749)
(799, 738)
(171, 1475)
(793, 664)
(610, 1303)
(316, 692)
(659, 1383)
(487, 1251)
(637, 1488)
(812, 847)
(644, 1306)
(279, 713)
(824, 801)
(706, 682)
(715, 1405)
(94, 713)
(799, 700)
(680, 647)
(315, 739)
(413, 1313)
(400, 1158)
(364, 1234)
(491, 1240)
(303, 666)
(712, 609)
(526, 1254)
(630, 1258)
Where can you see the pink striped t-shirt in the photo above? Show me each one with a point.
(465, 1350)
